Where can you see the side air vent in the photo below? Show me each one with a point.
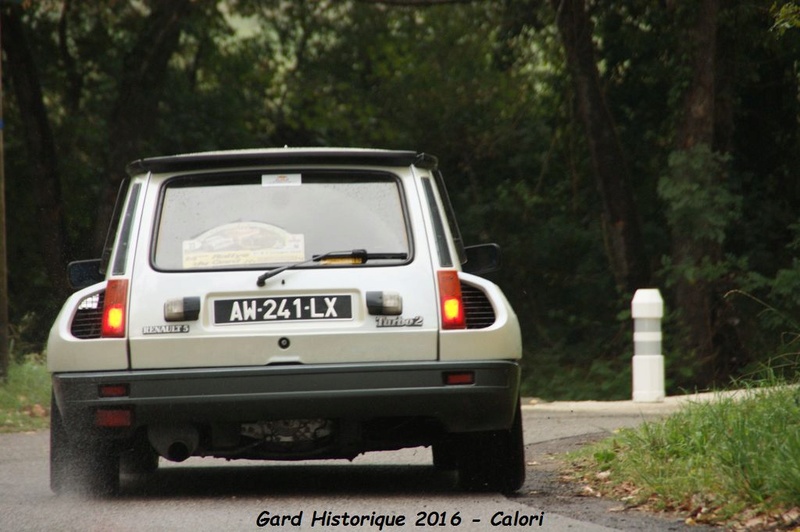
(478, 308)
(89, 317)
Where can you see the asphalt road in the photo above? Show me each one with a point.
(397, 491)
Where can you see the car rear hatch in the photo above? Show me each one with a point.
(300, 266)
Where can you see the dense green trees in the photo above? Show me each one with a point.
(605, 147)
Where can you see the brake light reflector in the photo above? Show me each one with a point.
(116, 300)
(112, 390)
(458, 378)
(452, 306)
(113, 417)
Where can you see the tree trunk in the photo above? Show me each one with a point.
(140, 88)
(697, 126)
(696, 298)
(43, 174)
(622, 226)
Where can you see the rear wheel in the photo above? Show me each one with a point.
(493, 460)
(139, 459)
(445, 455)
(61, 455)
(100, 470)
(78, 464)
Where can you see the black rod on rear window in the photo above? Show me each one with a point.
(358, 256)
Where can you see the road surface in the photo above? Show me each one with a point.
(393, 491)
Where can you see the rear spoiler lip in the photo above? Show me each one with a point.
(283, 156)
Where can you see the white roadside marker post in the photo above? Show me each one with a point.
(647, 309)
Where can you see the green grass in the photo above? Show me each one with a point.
(25, 398)
(732, 460)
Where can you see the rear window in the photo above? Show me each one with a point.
(243, 221)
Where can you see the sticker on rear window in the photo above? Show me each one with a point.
(281, 180)
(243, 244)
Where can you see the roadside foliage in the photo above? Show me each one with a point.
(709, 462)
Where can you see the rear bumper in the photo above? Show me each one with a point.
(357, 392)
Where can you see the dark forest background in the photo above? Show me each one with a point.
(606, 146)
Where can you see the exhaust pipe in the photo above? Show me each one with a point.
(175, 443)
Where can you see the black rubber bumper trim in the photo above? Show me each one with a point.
(335, 391)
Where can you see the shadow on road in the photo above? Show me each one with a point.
(296, 479)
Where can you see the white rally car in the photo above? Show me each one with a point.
(285, 304)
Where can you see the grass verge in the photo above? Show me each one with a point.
(732, 461)
(25, 398)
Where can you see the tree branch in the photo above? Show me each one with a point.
(74, 78)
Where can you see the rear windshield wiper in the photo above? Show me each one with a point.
(355, 256)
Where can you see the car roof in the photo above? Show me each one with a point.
(272, 156)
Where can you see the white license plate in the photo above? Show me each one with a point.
(278, 309)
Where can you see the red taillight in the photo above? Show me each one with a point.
(458, 378)
(116, 300)
(452, 306)
(113, 417)
(112, 390)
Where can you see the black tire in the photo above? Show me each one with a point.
(494, 460)
(445, 455)
(61, 454)
(140, 459)
(101, 474)
(78, 465)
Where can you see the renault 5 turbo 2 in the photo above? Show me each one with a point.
(285, 304)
